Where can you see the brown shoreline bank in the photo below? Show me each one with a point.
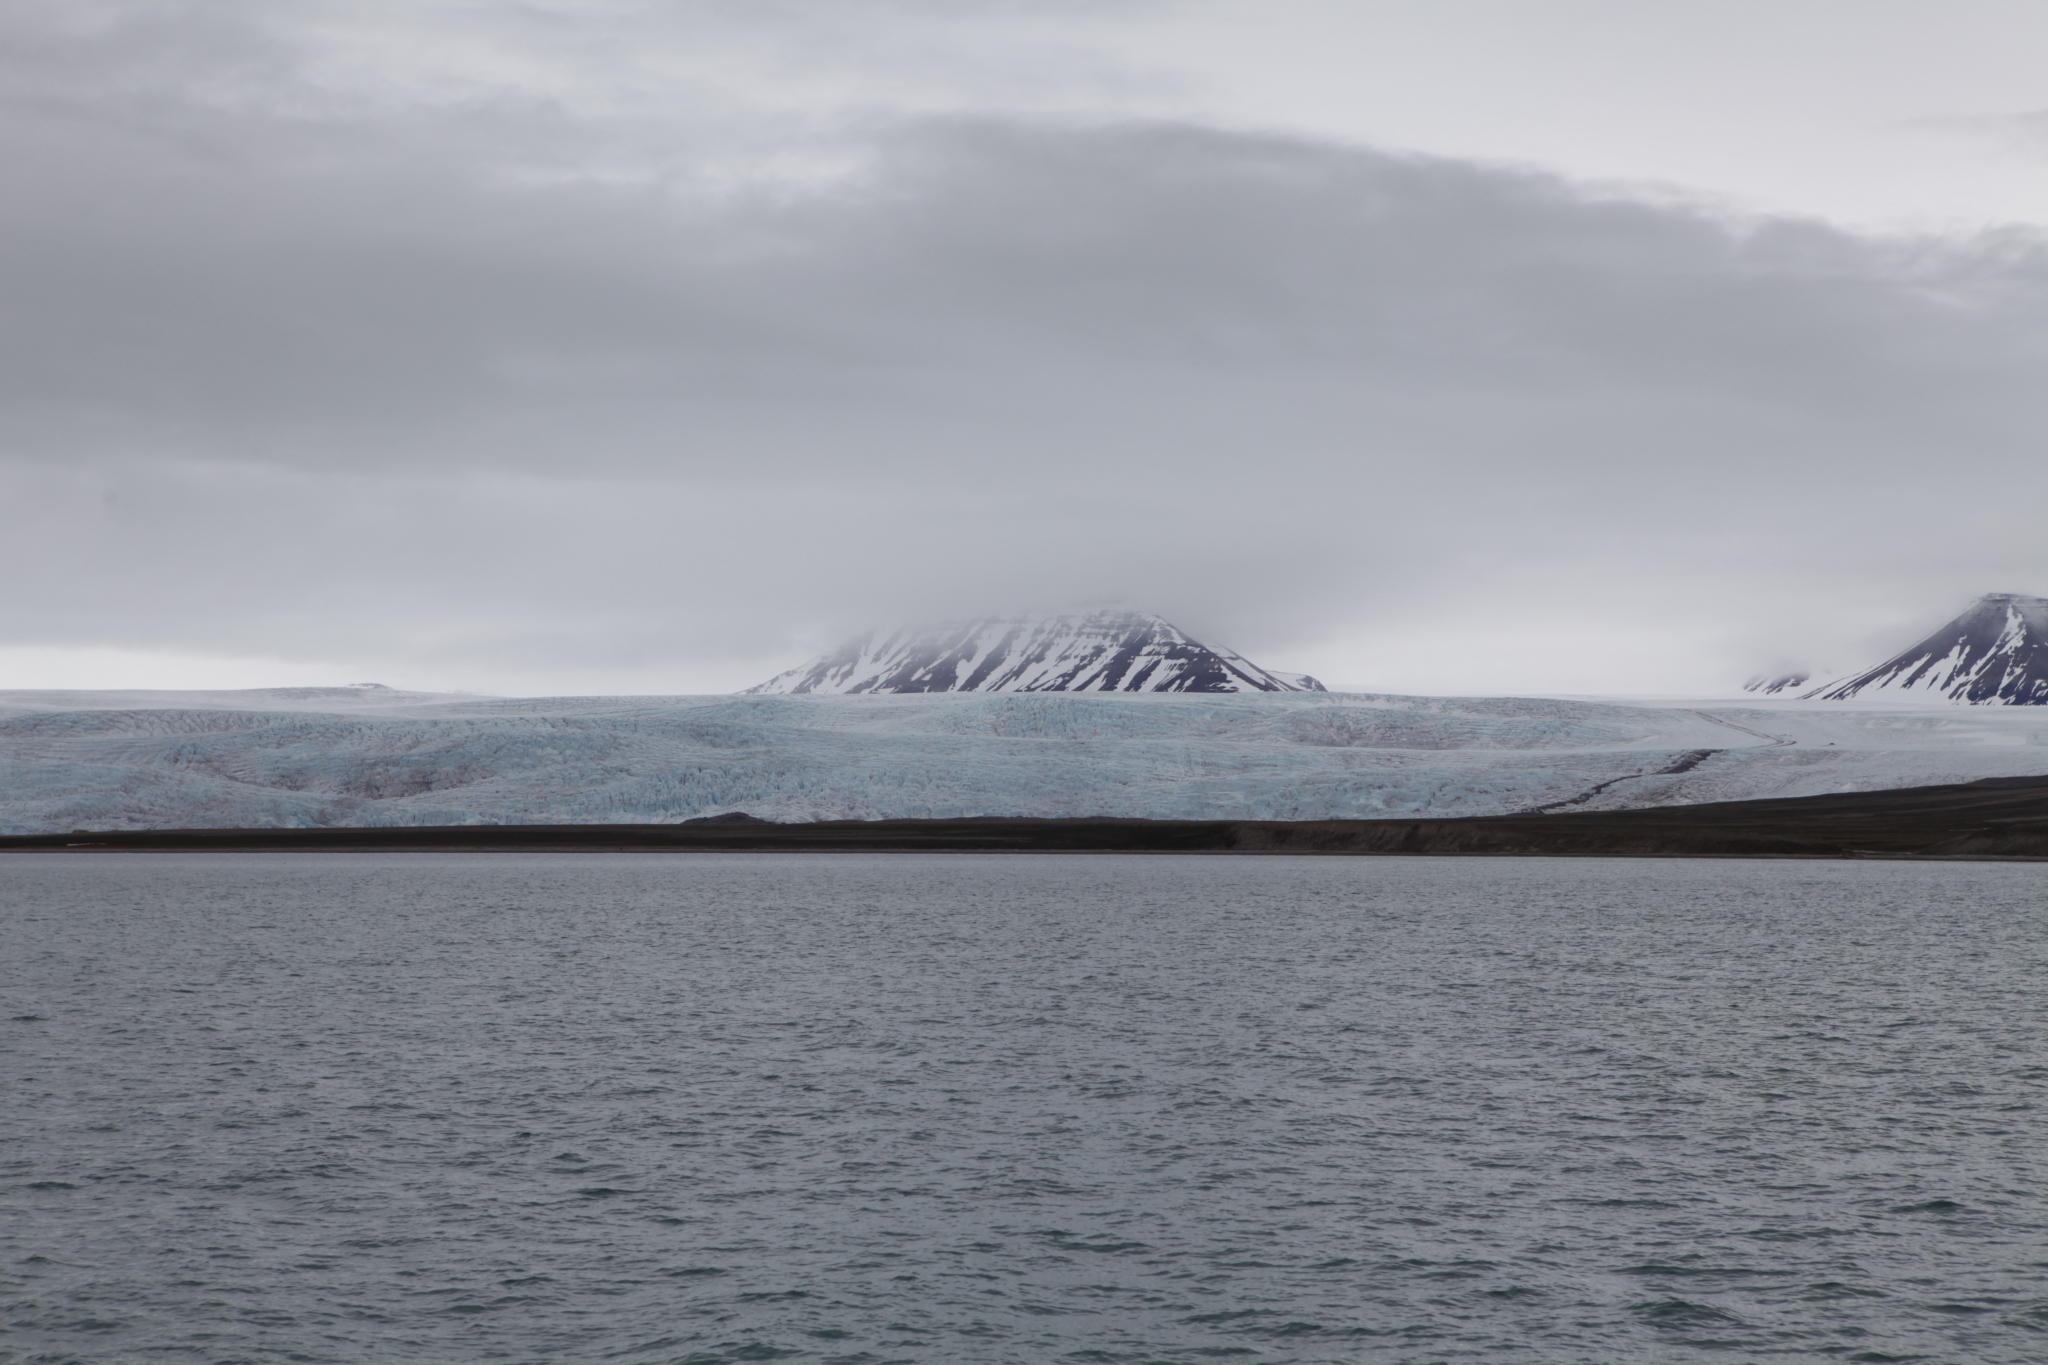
(1996, 818)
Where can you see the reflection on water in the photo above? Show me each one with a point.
(984, 1109)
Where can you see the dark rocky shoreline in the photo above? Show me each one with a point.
(1995, 818)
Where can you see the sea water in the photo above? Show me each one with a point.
(711, 1108)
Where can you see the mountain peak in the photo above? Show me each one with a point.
(1995, 653)
(1098, 651)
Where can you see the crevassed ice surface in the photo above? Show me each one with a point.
(311, 757)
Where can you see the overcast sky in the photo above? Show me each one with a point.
(651, 345)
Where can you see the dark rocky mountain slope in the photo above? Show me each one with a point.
(1996, 653)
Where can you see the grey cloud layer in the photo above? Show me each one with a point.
(442, 383)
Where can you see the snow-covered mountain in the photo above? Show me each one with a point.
(1996, 653)
(1102, 651)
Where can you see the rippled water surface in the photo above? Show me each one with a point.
(704, 1108)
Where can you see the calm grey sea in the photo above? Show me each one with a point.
(701, 1108)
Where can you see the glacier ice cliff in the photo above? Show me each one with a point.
(316, 757)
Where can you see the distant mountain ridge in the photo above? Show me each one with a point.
(1771, 684)
(1995, 653)
(1102, 651)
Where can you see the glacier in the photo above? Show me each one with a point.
(309, 757)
